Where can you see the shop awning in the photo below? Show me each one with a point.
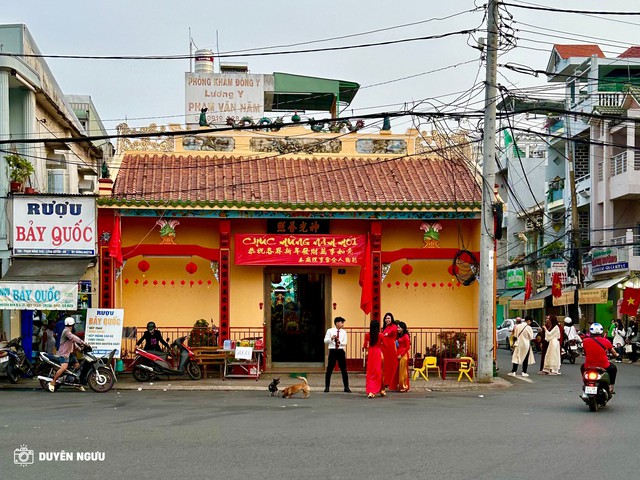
(598, 292)
(567, 297)
(507, 294)
(51, 270)
(536, 301)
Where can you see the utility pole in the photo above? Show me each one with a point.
(486, 327)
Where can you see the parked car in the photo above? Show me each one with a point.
(504, 333)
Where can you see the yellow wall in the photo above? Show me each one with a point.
(179, 305)
(168, 305)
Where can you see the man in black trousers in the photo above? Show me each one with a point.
(336, 338)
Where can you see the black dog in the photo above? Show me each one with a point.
(273, 387)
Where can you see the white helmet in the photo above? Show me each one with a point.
(69, 321)
(568, 320)
(596, 329)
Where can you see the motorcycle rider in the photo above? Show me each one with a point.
(152, 338)
(595, 353)
(66, 355)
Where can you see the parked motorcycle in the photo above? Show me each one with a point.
(632, 349)
(595, 388)
(13, 361)
(569, 351)
(96, 372)
(149, 365)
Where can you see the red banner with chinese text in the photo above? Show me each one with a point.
(301, 250)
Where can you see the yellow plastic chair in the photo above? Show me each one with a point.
(466, 366)
(428, 363)
(422, 371)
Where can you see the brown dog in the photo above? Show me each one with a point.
(298, 387)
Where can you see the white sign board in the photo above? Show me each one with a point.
(243, 353)
(233, 95)
(54, 226)
(38, 296)
(103, 330)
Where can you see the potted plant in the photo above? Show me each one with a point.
(19, 170)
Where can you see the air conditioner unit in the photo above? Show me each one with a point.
(57, 180)
(85, 186)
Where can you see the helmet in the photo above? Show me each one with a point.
(596, 329)
(69, 321)
(568, 320)
(151, 326)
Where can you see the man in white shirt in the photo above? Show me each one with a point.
(336, 338)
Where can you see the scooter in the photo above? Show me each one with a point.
(13, 361)
(150, 365)
(569, 351)
(96, 372)
(595, 388)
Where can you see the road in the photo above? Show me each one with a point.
(536, 429)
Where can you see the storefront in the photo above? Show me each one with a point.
(283, 243)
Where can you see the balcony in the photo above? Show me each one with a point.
(555, 199)
(629, 249)
(624, 176)
(583, 189)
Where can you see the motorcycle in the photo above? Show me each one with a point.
(595, 388)
(96, 372)
(569, 351)
(13, 361)
(149, 365)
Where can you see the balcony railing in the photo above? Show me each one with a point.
(624, 240)
(620, 163)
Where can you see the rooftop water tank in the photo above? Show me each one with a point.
(204, 61)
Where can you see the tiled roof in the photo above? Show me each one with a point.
(631, 52)
(607, 110)
(567, 51)
(408, 183)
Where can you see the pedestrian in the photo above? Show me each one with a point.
(522, 352)
(542, 342)
(49, 339)
(552, 357)
(336, 338)
(389, 351)
(373, 380)
(152, 339)
(404, 352)
(619, 334)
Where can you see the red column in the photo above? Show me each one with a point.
(376, 268)
(223, 274)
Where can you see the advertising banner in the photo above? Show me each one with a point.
(515, 278)
(38, 296)
(530, 305)
(567, 298)
(608, 260)
(234, 95)
(593, 296)
(301, 250)
(103, 330)
(54, 226)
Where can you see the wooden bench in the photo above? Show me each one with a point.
(210, 356)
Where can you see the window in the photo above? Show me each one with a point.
(57, 180)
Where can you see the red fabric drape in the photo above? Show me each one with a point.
(115, 243)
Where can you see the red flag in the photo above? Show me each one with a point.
(556, 285)
(115, 243)
(365, 280)
(630, 301)
(527, 290)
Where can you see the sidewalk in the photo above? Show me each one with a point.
(316, 382)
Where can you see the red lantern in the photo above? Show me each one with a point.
(191, 283)
(441, 285)
(433, 285)
(136, 281)
(407, 269)
(155, 282)
(191, 268)
(126, 280)
(415, 284)
(144, 284)
(388, 285)
(182, 282)
(453, 270)
(199, 282)
(450, 285)
(424, 284)
(173, 282)
(208, 282)
(458, 284)
(164, 282)
(397, 283)
(406, 284)
(143, 266)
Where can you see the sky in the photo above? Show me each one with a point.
(435, 73)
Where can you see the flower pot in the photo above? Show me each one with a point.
(30, 190)
(16, 186)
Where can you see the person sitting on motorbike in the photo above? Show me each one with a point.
(596, 348)
(570, 331)
(66, 355)
(152, 338)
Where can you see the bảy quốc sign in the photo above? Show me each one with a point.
(103, 330)
(607, 260)
(38, 296)
(54, 226)
(301, 250)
